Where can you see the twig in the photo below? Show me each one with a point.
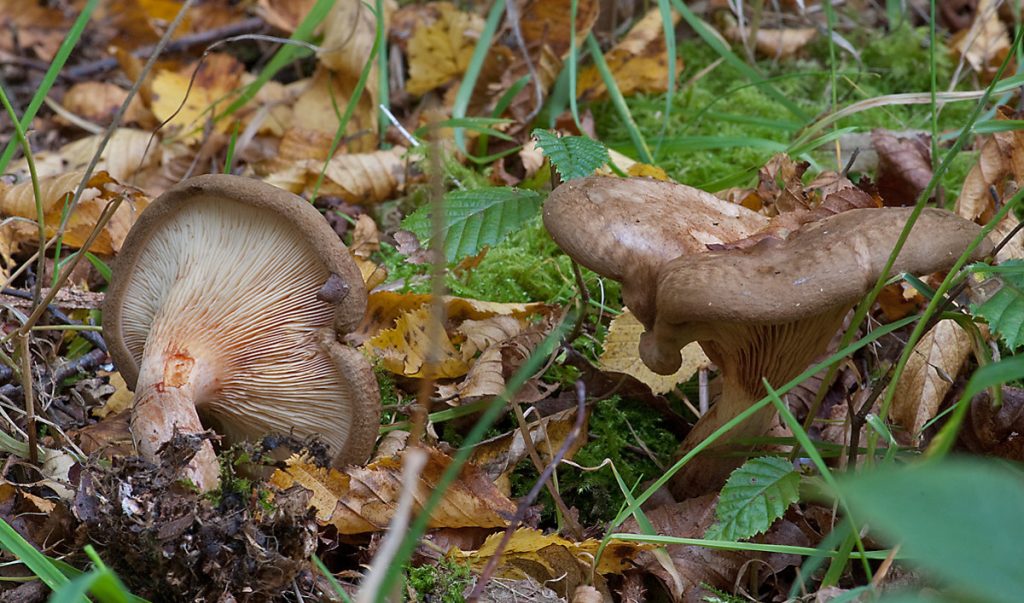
(525, 503)
(29, 395)
(91, 336)
(88, 70)
(85, 362)
(531, 450)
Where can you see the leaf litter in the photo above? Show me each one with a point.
(202, 112)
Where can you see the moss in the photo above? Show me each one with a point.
(596, 494)
(526, 267)
(444, 582)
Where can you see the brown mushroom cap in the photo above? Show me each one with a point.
(627, 228)
(823, 267)
(249, 283)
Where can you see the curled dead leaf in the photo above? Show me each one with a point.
(357, 500)
(930, 373)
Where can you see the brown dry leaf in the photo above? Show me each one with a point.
(440, 48)
(551, 559)
(699, 565)
(349, 31)
(128, 152)
(361, 178)
(357, 500)
(216, 83)
(285, 14)
(984, 45)
(31, 26)
(545, 27)
(780, 185)
(774, 43)
(639, 62)
(622, 355)
(314, 109)
(904, 166)
(1000, 166)
(930, 373)
(483, 334)
(19, 200)
(98, 101)
(498, 456)
(385, 307)
(107, 438)
(404, 349)
(365, 237)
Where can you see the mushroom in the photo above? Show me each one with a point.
(763, 312)
(225, 308)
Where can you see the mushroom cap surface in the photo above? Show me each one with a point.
(627, 228)
(825, 264)
(233, 270)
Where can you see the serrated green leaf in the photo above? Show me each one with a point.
(754, 496)
(474, 218)
(573, 156)
(1004, 309)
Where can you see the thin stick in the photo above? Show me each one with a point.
(29, 394)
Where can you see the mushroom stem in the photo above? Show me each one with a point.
(745, 354)
(168, 385)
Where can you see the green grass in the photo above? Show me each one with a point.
(723, 125)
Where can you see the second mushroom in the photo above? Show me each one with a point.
(764, 312)
(225, 311)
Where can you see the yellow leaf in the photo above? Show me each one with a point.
(119, 401)
(314, 109)
(357, 500)
(215, 84)
(404, 349)
(639, 62)
(622, 355)
(439, 51)
(551, 559)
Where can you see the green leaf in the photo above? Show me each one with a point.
(959, 519)
(1004, 309)
(474, 218)
(573, 156)
(754, 496)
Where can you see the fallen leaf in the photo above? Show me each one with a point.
(19, 200)
(285, 14)
(357, 500)
(215, 84)
(440, 46)
(551, 559)
(119, 401)
(417, 346)
(1000, 166)
(984, 45)
(98, 101)
(384, 308)
(498, 456)
(483, 334)
(361, 178)
(904, 166)
(314, 109)
(931, 371)
(699, 566)
(775, 43)
(349, 31)
(638, 62)
(622, 355)
(32, 26)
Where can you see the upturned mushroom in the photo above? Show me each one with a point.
(763, 312)
(225, 310)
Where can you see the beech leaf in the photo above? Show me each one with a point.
(573, 156)
(754, 496)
